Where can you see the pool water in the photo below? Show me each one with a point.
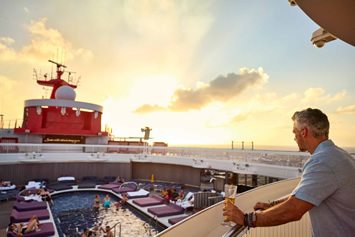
(74, 211)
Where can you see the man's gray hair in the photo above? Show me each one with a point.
(314, 120)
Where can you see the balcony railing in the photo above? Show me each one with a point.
(208, 222)
(239, 157)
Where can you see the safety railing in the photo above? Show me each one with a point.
(276, 158)
(208, 222)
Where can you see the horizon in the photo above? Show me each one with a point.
(205, 72)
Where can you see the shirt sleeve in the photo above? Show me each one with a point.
(318, 182)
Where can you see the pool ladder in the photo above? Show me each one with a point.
(115, 225)
(147, 226)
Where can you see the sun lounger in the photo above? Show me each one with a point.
(33, 184)
(6, 195)
(28, 206)
(59, 186)
(146, 186)
(153, 201)
(169, 210)
(47, 229)
(69, 180)
(31, 195)
(6, 188)
(175, 220)
(186, 202)
(125, 189)
(87, 184)
(110, 186)
(108, 179)
(92, 179)
(138, 194)
(25, 216)
(44, 181)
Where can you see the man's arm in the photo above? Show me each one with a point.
(266, 205)
(290, 210)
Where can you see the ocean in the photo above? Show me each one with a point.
(248, 146)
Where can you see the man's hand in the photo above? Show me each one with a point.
(233, 212)
(261, 205)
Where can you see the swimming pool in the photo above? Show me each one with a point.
(74, 211)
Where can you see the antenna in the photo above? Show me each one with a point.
(65, 55)
(70, 79)
(58, 64)
(45, 91)
(62, 57)
(78, 81)
(35, 76)
(1, 121)
(52, 68)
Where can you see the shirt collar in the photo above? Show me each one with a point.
(323, 145)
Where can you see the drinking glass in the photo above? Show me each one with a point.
(230, 193)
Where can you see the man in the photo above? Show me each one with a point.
(95, 230)
(85, 233)
(326, 190)
(108, 231)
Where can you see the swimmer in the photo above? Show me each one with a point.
(97, 201)
(107, 231)
(122, 202)
(107, 201)
(86, 232)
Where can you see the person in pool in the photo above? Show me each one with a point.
(97, 201)
(107, 231)
(45, 195)
(21, 229)
(85, 233)
(95, 230)
(122, 202)
(107, 201)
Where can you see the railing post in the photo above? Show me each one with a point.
(242, 145)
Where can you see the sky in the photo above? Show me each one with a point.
(195, 71)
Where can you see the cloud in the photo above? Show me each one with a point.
(6, 53)
(26, 9)
(317, 95)
(221, 89)
(45, 42)
(240, 117)
(144, 109)
(346, 110)
(6, 85)
(7, 40)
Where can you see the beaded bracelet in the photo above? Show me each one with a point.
(250, 220)
(273, 203)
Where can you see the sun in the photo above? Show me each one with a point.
(154, 89)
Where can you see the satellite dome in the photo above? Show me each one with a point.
(65, 93)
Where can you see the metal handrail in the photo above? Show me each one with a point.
(235, 231)
(115, 229)
(127, 184)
